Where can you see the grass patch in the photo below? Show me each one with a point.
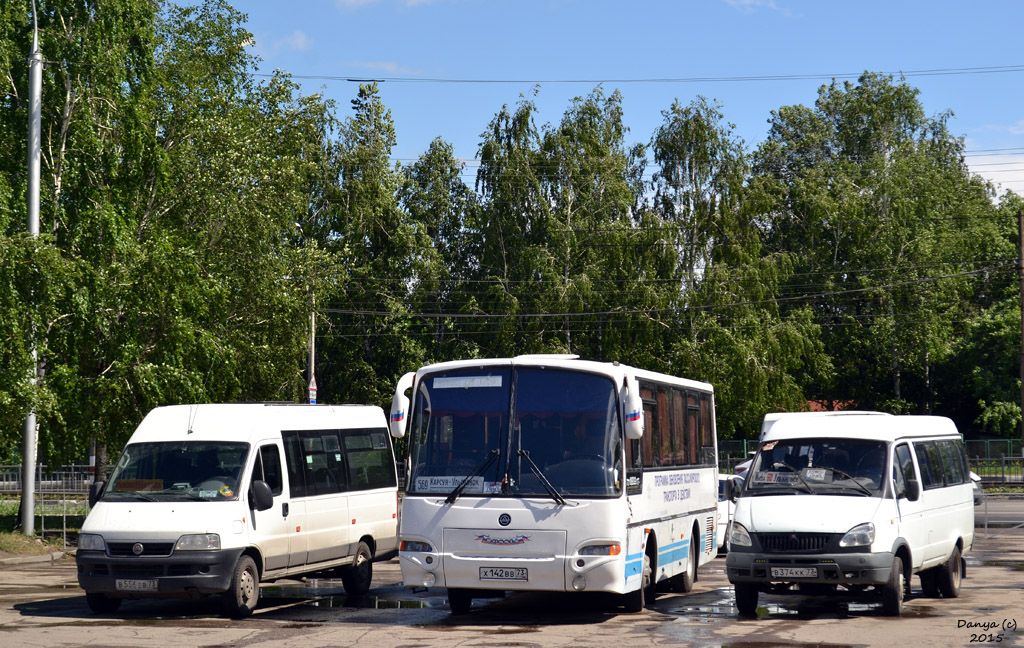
(17, 543)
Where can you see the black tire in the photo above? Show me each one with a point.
(684, 582)
(460, 600)
(746, 599)
(240, 599)
(930, 583)
(894, 591)
(950, 574)
(101, 603)
(636, 600)
(356, 578)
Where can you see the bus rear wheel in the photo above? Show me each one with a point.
(684, 582)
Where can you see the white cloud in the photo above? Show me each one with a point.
(297, 41)
(1018, 128)
(749, 6)
(1005, 171)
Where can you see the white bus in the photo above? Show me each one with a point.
(551, 473)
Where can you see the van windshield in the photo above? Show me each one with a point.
(177, 471)
(824, 465)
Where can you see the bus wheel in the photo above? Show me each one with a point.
(949, 575)
(459, 600)
(240, 599)
(357, 577)
(635, 601)
(746, 599)
(894, 590)
(685, 581)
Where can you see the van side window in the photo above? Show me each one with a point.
(952, 461)
(371, 464)
(930, 462)
(294, 460)
(268, 468)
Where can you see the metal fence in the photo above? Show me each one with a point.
(73, 479)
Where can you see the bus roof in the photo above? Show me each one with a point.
(864, 425)
(565, 361)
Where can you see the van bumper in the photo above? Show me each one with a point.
(184, 574)
(832, 568)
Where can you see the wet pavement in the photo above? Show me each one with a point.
(41, 605)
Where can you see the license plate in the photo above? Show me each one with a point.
(503, 573)
(135, 585)
(794, 572)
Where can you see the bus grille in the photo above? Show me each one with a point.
(793, 542)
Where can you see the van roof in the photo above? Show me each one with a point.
(249, 422)
(864, 425)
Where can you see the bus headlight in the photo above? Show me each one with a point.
(612, 549)
(859, 536)
(198, 542)
(91, 542)
(414, 545)
(739, 536)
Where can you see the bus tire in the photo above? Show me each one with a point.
(356, 578)
(894, 590)
(240, 599)
(689, 577)
(746, 599)
(950, 575)
(101, 603)
(460, 600)
(637, 600)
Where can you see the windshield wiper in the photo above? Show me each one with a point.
(836, 471)
(457, 491)
(129, 495)
(555, 495)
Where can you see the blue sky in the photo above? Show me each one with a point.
(628, 43)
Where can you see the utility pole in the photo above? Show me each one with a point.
(1020, 278)
(35, 94)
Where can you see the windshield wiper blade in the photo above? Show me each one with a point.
(555, 495)
(798, 476)
(836, 471)
(457, 491)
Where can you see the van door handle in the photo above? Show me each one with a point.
(284, 509)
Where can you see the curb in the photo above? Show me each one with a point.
(28, 560)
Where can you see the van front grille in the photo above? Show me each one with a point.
(793, 542)
(148, 549)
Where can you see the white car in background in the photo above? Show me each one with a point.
(726, 507)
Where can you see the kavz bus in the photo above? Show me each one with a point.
(551, 473)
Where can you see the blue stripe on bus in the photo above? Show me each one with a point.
(634, 564)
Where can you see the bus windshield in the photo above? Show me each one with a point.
(827, 465)
(177, 471)
(526, 432)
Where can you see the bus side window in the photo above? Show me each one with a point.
(294, 462)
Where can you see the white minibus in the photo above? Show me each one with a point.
(215, 498)
(853, 505)
(551, 473)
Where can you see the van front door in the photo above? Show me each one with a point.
(270, 528)
(912, 523)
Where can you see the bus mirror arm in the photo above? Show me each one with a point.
(633, 405)
(400, 406)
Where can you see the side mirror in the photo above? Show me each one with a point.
(400, 406)
(96, 492)
(261, 496)
(633, 407)
(732, 489)
(913, 490)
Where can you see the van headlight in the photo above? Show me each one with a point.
(198, 542)
(91, 542)
(861, 535)
(738, 536)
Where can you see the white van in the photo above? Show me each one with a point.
(853, 504)
(214, 499)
